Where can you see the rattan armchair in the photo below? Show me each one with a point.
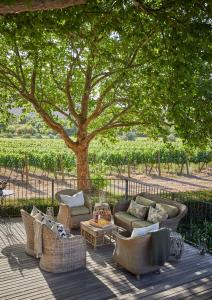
(134, 254)
(28, 225)
(66, 214)
(62, 254)
(171, 223)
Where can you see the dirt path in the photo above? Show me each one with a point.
(174, 183)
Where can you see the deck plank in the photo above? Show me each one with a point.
(21, 278)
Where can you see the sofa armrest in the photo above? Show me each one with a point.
(122, 205)
(88, 204)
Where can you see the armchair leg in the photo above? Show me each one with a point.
(138, 277)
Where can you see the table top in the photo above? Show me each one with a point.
(5, 193)
(86, 224)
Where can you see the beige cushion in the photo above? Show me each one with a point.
(171, 210)
(34, 211)
(39, 216)
(145, 230)
(140, 224)
(79, 210)
(156, 215)
(144, 201)
(137, 210)
(124, 217)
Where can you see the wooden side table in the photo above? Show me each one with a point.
(97, 236)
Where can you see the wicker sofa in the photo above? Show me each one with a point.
(127, 221)
(71, 217)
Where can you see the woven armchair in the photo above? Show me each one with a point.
(66, 214)
(62, 254)
(134, 254)
(169, 223)
(28, 224)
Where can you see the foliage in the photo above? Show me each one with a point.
(198, 232)
(49, 154)
(110, 65)
(204, 195)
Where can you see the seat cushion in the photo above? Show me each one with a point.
(144, 201)
(171, 210)
(124, 217)
(79, 210)
(141, 224)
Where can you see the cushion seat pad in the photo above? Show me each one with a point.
(79, 210)
(141, 224)
(125, 218)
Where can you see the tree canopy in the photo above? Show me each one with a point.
(110, 65)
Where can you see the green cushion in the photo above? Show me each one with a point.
(138, 210)
(144, 201)
(171, 210)
(141, 224)
(125, 217)
(79, 210)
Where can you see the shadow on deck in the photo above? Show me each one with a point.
(21, 278)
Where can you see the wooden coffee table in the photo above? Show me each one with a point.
(97, 236)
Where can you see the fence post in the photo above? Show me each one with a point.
(126, 188)
(52, 192)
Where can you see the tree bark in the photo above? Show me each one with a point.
(83, 176)
(35, 5)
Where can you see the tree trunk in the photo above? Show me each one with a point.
(83, 174)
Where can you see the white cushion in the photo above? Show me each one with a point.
(34, 211)
(73, 201)
(144, 230)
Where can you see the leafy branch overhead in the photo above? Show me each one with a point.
(110, 65)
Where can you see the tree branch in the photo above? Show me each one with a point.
(33, 77)
(115, 125)
(35, 5)
(50, 122)
(86, 93)
(71, 105)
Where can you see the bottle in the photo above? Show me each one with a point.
(96, 217)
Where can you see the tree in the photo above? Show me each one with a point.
(109, 66)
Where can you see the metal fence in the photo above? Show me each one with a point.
(196, 225)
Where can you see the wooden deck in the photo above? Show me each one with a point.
(21, 278)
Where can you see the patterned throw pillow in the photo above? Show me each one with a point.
(171, 210)
(59, 230)
(144, 201)
(137, 210)
(156, 215)
(48, 221)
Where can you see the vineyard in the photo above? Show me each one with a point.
(52, 157)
